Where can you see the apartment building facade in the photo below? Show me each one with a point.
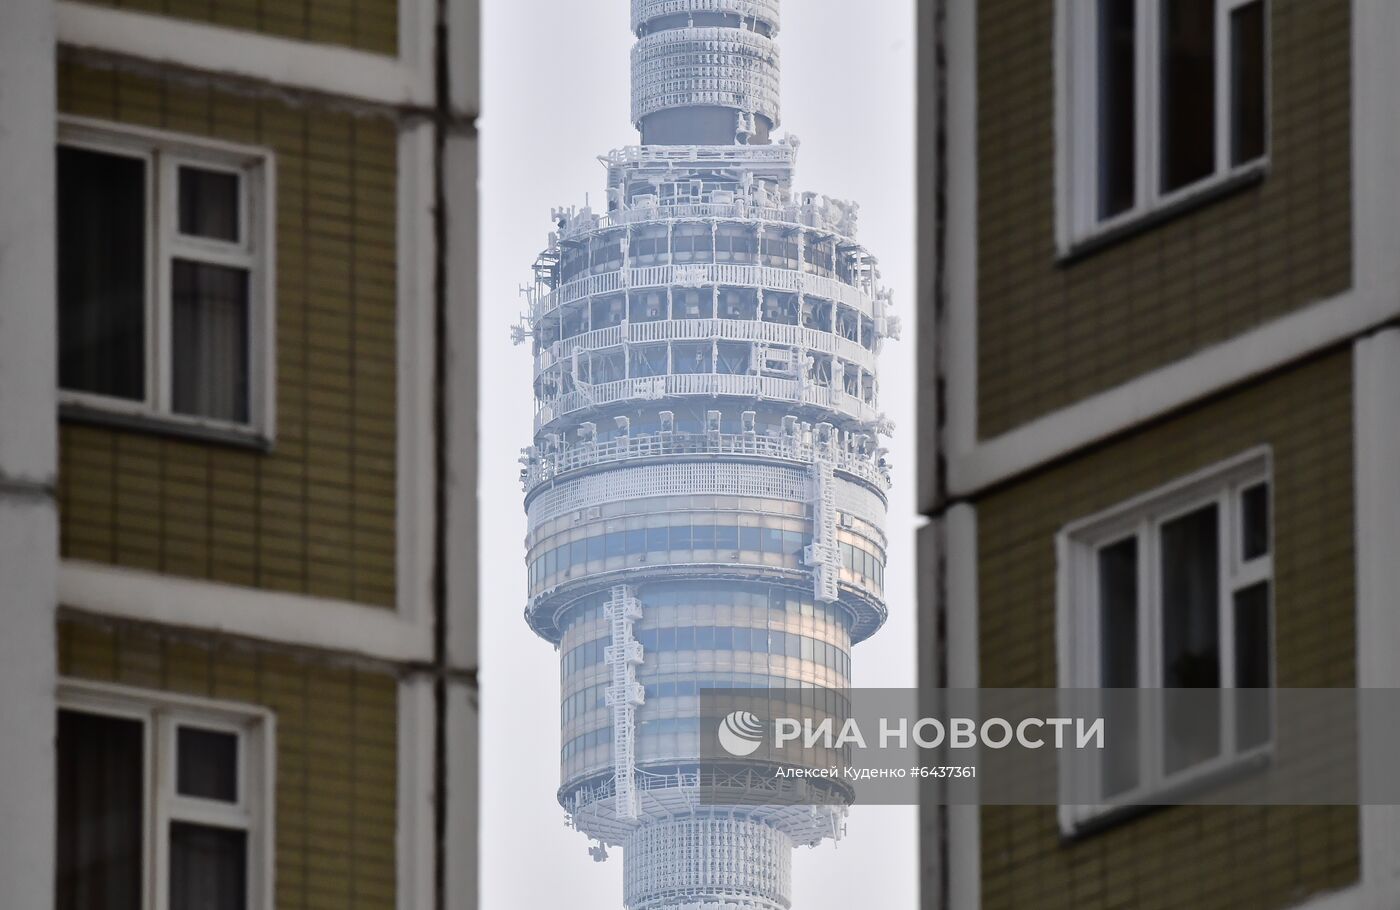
(237, 453)
(1159, 435)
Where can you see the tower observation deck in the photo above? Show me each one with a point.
(705, 488)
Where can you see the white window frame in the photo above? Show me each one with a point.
(1076, 121)
(163, 154)
(1078, 635)
(161, 715)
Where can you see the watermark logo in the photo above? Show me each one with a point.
(741, 733)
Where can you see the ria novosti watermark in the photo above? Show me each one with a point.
(1049, 746)
(931, 732)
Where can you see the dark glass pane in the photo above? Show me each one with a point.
(1253, 648)
(208, 868)
(101, 273)
(1254, 521)
(1191, 634)
(1188, 92)
(749, 539)
(100, 806)
(1118, 663)
(209, 204)
(209, 341)
(1117, 106)
(1247, 101)
(207, 764)
(1118, 614)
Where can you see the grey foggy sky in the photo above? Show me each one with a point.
(556, 95)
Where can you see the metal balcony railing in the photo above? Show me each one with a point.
(752, 330)
(702, 274)
(545, 468)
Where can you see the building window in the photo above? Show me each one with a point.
(163, 802)
(164, 278)
(1160, 101)
(1172, 591)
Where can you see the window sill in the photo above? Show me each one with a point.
(177, 427)
(1184, 202)
(1167, 797)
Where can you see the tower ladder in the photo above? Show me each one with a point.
(625, 694)
(822, 554)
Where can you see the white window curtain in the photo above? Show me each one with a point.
(209, 341)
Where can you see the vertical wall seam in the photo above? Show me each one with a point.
(441, 116)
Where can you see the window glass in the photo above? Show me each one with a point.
(1247, 94)
(1152, 93)
(1190, 594)
(102, 260)
(206, 764)
(209, 340)
(1253, 660)
(208, 867)
(1190, 633)
(1254, 521)
(1118, 670)
(1117, 106)
(1188, 92)
(208, 203)
(100, 808)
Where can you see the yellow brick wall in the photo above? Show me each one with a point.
(367, 25)
(1201, 858)
(317, 514)
(1051, 334)
(336, 746)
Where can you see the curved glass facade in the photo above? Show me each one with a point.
(697, 635)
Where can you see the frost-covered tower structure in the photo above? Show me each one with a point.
(706, 487)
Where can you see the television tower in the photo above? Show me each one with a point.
(706, 487)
